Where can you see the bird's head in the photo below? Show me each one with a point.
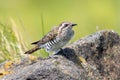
(66, 26)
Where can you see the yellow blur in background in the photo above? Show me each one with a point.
(90, 15)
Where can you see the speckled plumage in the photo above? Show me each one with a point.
(55, 39)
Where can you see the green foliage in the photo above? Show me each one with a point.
(90, 15)
(11, 47)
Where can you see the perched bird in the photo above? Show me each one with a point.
(54, 40)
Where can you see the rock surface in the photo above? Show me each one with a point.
(95, 57)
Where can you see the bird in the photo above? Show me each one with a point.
(55, 39)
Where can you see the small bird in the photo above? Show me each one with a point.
(54, 40)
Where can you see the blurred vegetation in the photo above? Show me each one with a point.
(11, 43)
(90, 15)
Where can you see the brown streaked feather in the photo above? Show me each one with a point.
(49, 36)
(32, 50)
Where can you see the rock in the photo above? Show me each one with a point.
(95, 57)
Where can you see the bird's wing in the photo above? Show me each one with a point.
(49, 36)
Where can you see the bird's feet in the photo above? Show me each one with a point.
(60, 51)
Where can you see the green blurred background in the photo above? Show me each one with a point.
(90, 15)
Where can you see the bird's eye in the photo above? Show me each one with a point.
(66, 25)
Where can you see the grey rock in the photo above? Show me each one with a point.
(101, 51)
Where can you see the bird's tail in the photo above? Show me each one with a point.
(32, 50)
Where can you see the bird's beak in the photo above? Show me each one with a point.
(74, 24)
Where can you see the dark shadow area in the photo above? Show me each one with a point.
(70, 55)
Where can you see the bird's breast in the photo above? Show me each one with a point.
(58, 42)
